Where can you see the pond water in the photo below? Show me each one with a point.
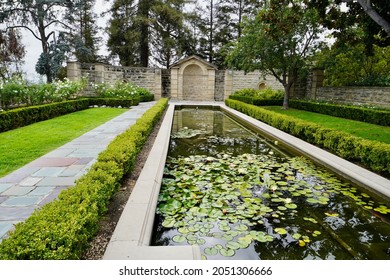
(240, 196)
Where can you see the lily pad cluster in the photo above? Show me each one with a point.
(228, 203)
(186, 133)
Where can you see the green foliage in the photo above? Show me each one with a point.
(24, 116)
(62, 229)
(12, 52)
(264, 97)
(122, 90)
(267, 93)
(352, 66)
(372, 154)
(16, 92)
(374, 116)
(278, 42)
(114, 102)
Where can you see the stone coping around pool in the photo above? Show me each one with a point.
(133, 233)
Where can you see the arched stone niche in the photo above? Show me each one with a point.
(193, 79)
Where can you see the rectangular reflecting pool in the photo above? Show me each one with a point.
(239, 195)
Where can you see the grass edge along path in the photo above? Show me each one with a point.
(356, 128)
(20, 146)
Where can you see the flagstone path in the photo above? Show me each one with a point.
(39, 182)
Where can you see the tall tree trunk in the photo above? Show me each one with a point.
(143, 12)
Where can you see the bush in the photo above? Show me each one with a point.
(265, 94)
(257, 101)
(114, 102)
(16, 92)
(62, 229)
(372, 154)
(122, 90)
(374, 116)
(24, 116)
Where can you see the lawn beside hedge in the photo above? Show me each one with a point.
(28, 115)
(62, 229)
(372, 154)
(374, 116)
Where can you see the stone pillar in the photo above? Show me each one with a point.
(73, 70)
(317, 81)
(228, 83)
(99, 73)
(174, 83)
(210, 84)
(157, 84)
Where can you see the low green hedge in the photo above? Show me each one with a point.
(62, 229)
(28, 115)
(257, 101)
(24, 116)
(372, 154)
(374, 116)
(114, 102)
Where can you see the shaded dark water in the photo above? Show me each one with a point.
(240, 196)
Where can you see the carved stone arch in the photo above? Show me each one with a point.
(193, 79)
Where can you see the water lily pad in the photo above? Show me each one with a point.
(233, 245)
(281, 231)
(168, 222)
(227, 252)
(291, 206)
(179, 238)
(211, 251)
(183, 230)
(296, 236)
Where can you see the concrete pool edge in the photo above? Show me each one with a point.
(133, 233)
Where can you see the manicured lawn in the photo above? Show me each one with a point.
(360, 129)
(23, 145)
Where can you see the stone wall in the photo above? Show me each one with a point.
(219, 85)
(236, 80)
(378, 96)
(149, 78)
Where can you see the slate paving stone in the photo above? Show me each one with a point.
(61, 152)
(53, 195)
(83, 161)
(3, 198)
(41, 191)
(30, 181)
(53, 162)
(17, 191)
(4, 187)
(49, 172)
(15, 213)
(56, 181)
(72, 171)
(22, 201)
(13, 178)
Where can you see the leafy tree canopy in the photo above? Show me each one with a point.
(279, 42)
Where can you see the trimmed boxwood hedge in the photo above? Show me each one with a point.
(374, 155)
(24, 116)
(62, 228)
(257, 101)
(28, 115)
(374, 116)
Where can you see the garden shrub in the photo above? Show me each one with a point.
(122, 90)
(62, 229)
(24, 116)
(264, 97)
(374, 116)
(115, 102)
(372, 154)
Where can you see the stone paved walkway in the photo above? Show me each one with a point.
(40, 181)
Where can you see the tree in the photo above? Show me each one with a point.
(83, 37)
(50, 63)
(168, 34)
(12, 52)
(38, 17)
(123, 39)
(279, 42)
(129, 31)
(369, 9)
(345, 22)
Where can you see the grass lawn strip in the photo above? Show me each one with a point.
(356, 128)
(23, 145)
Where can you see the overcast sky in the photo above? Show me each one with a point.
(34, 48)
